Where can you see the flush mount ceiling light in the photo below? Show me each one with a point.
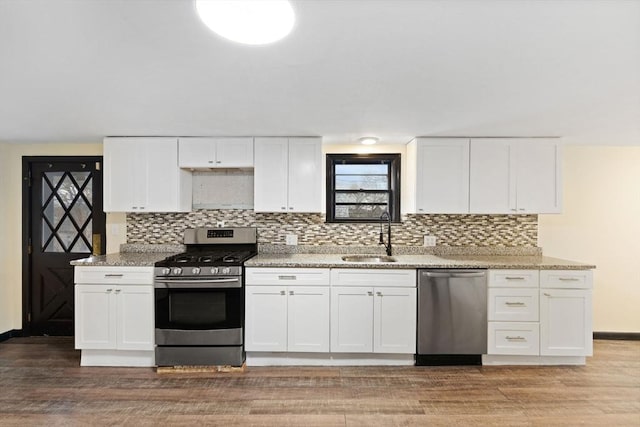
(368, 140)
(247, 21)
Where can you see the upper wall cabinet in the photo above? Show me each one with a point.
(441, 168)
(520, 175)
(198, 153)
(288, 173)
(142, 175)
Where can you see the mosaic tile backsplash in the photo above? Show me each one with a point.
(450, 230)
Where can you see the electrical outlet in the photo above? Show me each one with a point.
(220, 224)
(429, 240)
(291, 240)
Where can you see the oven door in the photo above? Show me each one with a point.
(193, 313)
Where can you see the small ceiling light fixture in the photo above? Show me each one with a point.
(368, 140)
(253, 22)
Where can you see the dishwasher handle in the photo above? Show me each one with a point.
(456, 275)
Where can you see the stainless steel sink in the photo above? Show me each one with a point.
(369, 259)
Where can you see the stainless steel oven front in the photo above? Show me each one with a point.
(199, 320)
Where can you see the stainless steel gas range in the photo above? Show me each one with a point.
(199, 298)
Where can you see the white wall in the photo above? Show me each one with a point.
(11, 220)
(600, 224)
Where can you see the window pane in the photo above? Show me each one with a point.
(360, 169)
(360, 211)
(362, 197)
(362, 182)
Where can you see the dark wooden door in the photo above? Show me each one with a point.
(66, 222)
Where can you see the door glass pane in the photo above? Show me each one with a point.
(67, 191)
(46, 232)
(67, 232)
(54, 246)
(80, 211)
(88, 192)
(80, 247)
(54, 177)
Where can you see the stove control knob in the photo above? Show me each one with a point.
(177, 271)
(226, 270)
(166, 271)
(214, 270)
(195, 271)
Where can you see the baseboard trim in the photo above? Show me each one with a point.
(10, 334)
(627, 336)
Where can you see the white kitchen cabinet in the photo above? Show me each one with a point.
(215, 152)
(378, 318)
(114, 316)
(566, 313)
(287, 174)
(142, 175)
(515, 175)
(287, 310)
(441, 174)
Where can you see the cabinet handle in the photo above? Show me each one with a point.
(218, 161)
(141, 207)
(421, 209)
(283, 208)
(518, 338)
(370, 293)
(110, 289)
(210, 161)
(282, 293)
(134, 207)
(514, 278)
(514, 209)
(517, 303)
(118, 291)
(546, 294)
(113, 275)
(568, 279)
(290, 292)
(286, 277)
(379, 294)
(291, 208)
(521, 209)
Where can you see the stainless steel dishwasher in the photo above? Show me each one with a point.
(452, 317)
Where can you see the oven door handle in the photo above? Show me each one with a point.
(200, 284)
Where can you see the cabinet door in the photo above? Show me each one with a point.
(351, 320)
(135, 319)
(492, 179)
(234, 152)
(95, 317)
(270, 175)
(196, 152)
(394, 328)
(442, 176)
(266, 318)
(566, 322)
(305, 162)
(308, 318)
(124, 175)
(168, 188)
(538, 177)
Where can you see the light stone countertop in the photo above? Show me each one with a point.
(418, 261)
(147, 257)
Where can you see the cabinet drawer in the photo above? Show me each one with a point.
(566, 279)
(516, 338)
(287, 276)
(114, 275)
(374, 277)
(514, 278)
(514, 305)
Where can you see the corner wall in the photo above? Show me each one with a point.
(11, 220)
(600, 224)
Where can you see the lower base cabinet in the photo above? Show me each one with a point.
(287, 318)
(546, 315)
(114, 316)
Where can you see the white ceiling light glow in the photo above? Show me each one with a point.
(368, 140)
(253, 22)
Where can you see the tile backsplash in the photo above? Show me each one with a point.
(450, 230)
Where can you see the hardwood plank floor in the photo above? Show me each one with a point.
(41, 383)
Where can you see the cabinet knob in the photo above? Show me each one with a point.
(110, 289)
(379, 294)
(291, 208)
(210, 161)
(547, 294)
(370, 293)
(290, 292)
(282, 293)
(283, 208)
(218, 161)
(118, 291)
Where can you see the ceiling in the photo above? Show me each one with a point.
(76, 71)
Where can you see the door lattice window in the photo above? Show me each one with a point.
(67, 200)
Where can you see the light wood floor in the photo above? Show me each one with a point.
(41, 383)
